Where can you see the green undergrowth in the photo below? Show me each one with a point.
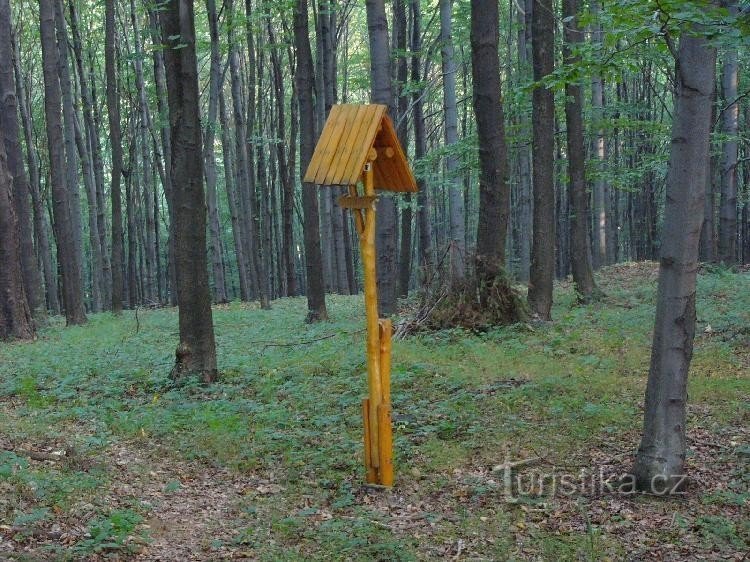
(288, 403)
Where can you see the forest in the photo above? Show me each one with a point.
(550, 316)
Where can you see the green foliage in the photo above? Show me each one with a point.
(291, 410)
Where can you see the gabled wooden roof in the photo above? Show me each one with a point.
(345, 142)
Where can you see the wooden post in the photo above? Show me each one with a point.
(385, 436)
(367, 248)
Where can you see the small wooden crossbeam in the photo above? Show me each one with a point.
(357, 201)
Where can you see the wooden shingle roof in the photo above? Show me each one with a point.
(345, 142)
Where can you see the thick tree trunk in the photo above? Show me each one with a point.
(215, 84)
(455, 196)
(32, 280)
(115, 138)
(381, 92)
(580, 247)
(15, 316)
(494, 191)
(661, 456)
(67, 255)
(730, 118)
(316, 303)
(420, 143)
(543, 147)
(196, 353)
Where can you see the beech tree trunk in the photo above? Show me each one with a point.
(542, 270)
(41, 224)
(215, 84)
(420, 143)
(494, 192)
(660, 461)
(304, 80)
(21, 193)
(15, 316)
(730, 118)
(580, 246)
(196, 353)
(115, 139)
(453, 181)
(381, 92)
(70, 267)
(601, 188)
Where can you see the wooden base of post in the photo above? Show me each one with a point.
(380, 469)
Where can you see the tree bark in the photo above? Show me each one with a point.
(730, 118)
(91, 159)
(15, 316)
(661, 456)
(420, 143)
(400, 41)
(494, 192)
(316, 303)
(381, 92)
(455, 195)
(601, 188)
(215, 84)
(70, 267)
(21, 192)
(115, 139)
(196, 353)
(543, 148)
(232, 198)
(41, 225)
(580, 247)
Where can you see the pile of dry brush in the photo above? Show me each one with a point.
(475, 303)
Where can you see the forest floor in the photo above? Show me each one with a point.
(101, 458)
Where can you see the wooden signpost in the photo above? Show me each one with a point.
(359, 145)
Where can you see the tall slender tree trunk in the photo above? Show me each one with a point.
(381, 92)
(234, 205)
(91, 159)
(304, 80)
(580, 247)
(71, 157)
(215, 84)
(41, 226)
(286, 178)
(160, 83)
(524, 151)
(601, 188)
(420, 142)
(455, 195)
(660, 462)
(730, 118)
(15, 315)
(9, 127)
(708, 244)
(196, 353)
(67, 255)
(542, 270)
(400, 42)
(494, 191)
(115, 138)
